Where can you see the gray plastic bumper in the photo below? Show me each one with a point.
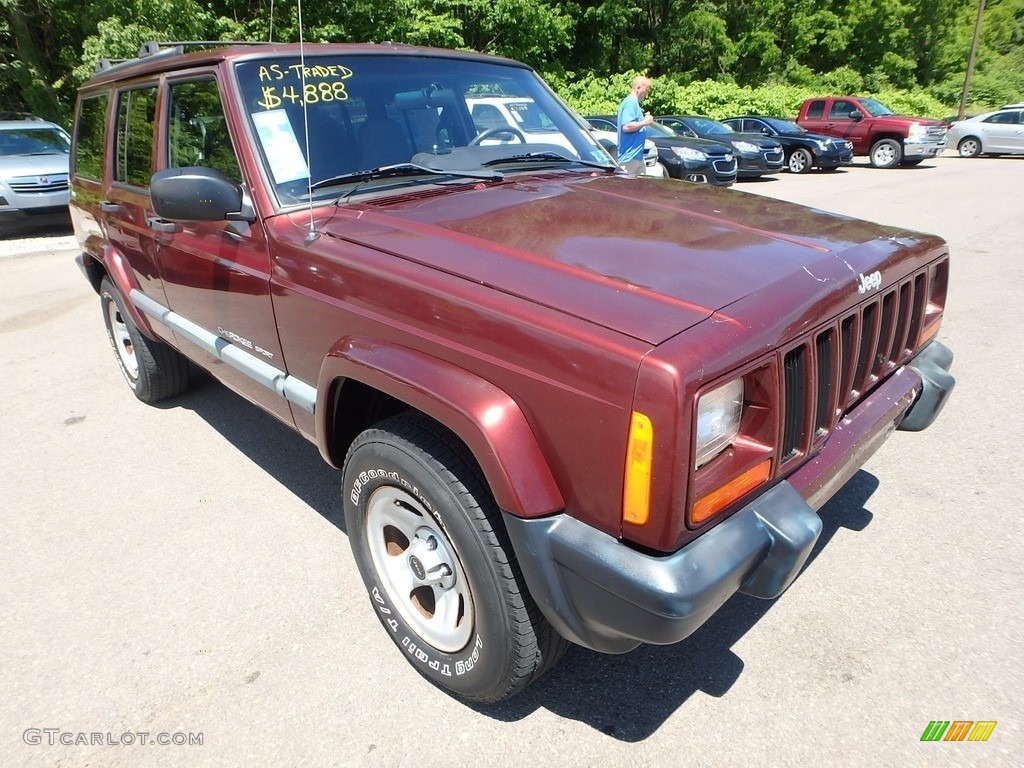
(605, 596)
(932, 365)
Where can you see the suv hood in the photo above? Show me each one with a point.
(646, 258)
(34, 165)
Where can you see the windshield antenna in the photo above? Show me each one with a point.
(312, 234)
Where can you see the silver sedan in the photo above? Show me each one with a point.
(993, 133)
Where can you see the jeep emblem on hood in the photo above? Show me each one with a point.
(870, 282)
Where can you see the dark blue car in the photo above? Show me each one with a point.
(689, 159)
(804, 150)
(756, 154)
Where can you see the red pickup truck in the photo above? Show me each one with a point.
(887, 138)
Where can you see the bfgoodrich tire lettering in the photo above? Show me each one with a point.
(152, 369)
(442, 577)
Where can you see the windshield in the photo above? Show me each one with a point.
(664, 130)
(365, 112)
(875, 108)
(34, 141)
(703, 125)
(784, 126)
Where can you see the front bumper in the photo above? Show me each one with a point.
(719, 173)
(922, 149)
(25, 198)
(833, 159)
(601, 594)
(752, 166)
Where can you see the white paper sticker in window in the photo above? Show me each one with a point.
(280, 146)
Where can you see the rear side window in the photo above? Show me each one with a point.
(90, 130)
(816, 109)
(136, 114)
(1006, 118)
(197, 132)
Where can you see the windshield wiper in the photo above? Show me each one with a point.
(547, 157)
(402, 169)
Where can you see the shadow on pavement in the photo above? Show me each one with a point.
(58, 226)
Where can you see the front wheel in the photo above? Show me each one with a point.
(886, 153)
(153, 370)
(800, 161)
(442, 577)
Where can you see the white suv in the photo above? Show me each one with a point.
(490, 112)
(33, 169)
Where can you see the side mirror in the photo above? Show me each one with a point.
(198, 194)
(856, 115)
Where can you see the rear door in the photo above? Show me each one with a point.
(1003, 132)
(125, 209)
(216, 275)
(814, 116)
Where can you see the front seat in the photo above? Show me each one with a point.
(384, 142)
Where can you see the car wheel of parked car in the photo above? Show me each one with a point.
(886, 153)
(433, 552)
(152, 369)
(800, 161)
(969, 146)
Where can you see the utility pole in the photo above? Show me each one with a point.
(970, 60)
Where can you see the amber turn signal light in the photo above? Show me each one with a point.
(636, 493)
(724, 495)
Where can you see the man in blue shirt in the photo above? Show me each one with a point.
(632, 124)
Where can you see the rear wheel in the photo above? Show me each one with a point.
(152, 369)
(886, 153)
(969, 146)
(800, 161)
(443, 579)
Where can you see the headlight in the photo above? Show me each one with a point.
(744, 146)
(686, 153)
(917, 132)
(718, 420)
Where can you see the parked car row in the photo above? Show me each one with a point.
(703, 150)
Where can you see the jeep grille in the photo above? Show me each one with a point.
(831, 370)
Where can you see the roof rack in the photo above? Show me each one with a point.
(153, 48)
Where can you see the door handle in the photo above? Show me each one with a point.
(163, 225)
(108, 207)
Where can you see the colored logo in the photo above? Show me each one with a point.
(958, 730)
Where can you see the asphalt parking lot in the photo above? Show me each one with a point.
(183, 572)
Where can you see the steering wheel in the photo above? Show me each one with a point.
(497, 131)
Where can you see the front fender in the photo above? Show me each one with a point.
(484, 417)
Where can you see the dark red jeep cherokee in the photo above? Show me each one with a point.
(568, 405)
